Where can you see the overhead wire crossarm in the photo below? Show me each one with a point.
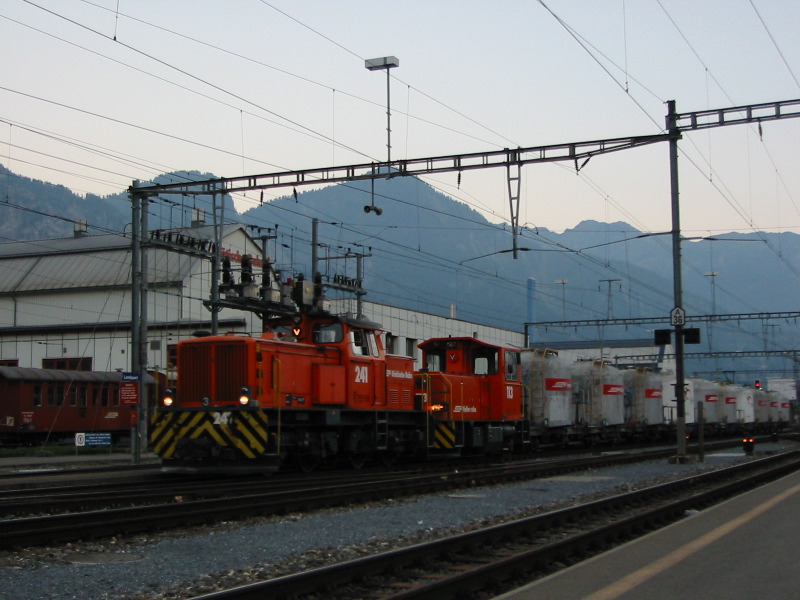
(792, 354)
(664, 319)
(575, 151)
(737, 115)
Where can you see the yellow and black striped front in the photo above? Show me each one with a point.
(208, 434)
(444, 437)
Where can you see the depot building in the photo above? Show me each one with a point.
(67, 303)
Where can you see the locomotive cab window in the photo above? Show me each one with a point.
(512, 365)
(434, 362)
(484, 362)
(373, 343)
(328, 333)
(358, 340)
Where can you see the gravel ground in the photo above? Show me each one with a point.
(181, 564)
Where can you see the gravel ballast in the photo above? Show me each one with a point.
(176, 564)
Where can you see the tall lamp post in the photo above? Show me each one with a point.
(384, 64)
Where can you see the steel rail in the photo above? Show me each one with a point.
(467, 580)
(179, 511)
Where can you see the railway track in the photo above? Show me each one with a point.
(97, 511)
(486, 562)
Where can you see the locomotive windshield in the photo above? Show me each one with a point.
(327, 333)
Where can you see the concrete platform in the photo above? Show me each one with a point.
(746, 547)
(70, 461)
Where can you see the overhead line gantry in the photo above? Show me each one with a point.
(512, 159)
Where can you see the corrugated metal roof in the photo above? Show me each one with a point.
(94, 243)
(31, 374)
(90, 262)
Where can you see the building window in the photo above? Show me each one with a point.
(9, 362)
(411, 348)
(68, 364)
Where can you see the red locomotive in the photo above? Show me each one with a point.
(474, 393)
(317, 388)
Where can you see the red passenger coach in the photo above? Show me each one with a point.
(473, 390)
(39, 405)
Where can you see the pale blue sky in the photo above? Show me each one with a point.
(284, 87)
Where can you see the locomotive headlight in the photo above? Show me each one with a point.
(245, 394)
(169, 397)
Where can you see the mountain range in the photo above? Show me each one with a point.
(429, 252)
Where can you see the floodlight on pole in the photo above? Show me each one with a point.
(384, 64)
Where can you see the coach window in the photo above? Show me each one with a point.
(172, 357)
(104, 396)
(82, 397)
(52, 394)
(73, 396)
(59, 395)
(37, 395)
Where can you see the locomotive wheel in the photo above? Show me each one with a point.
(357, 459)
(306, 461)
(388, 458)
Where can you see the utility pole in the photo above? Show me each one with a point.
(343, 284)
(138, 350)
(713, 276)
(136, 274)
(218, 215)
(563, 284)
(678, 314)
(610, 304)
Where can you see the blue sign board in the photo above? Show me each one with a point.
(92, 439)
